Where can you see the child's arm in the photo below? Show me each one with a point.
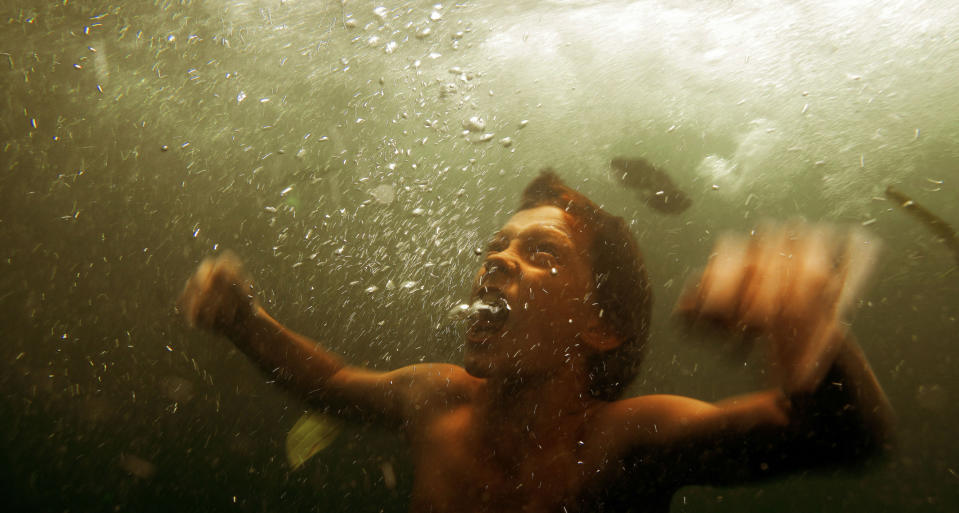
(845, 421)
(219, 297)
(828, 407)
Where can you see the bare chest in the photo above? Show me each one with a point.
(462, 468)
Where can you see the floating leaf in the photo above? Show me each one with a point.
(310, 435)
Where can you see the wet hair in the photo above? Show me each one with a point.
(622, 291)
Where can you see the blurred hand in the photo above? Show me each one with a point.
(791, 282)
(219, 296)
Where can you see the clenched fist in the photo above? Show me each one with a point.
(219, 296)
(791, 282)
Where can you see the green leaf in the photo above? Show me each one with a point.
(310, 435)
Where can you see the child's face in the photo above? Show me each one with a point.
(539, 265)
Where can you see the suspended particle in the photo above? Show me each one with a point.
(553, 271)
(474, 124)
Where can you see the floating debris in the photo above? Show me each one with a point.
(312, 433)
(936, 224)
(137, 466)
(654, 186)
(474, 124)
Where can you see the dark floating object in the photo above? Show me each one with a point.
(654, 186)
(935, 223)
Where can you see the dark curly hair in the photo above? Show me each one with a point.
(622, 290)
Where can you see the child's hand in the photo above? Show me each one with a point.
(219, 296)
(790, 282)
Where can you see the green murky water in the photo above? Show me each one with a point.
(354, 154)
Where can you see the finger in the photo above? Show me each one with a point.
(768, 256)
(187, 301)
(812, 283)
(714, 297)
(860, 256)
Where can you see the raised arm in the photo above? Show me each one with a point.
(826, 407)
(220, 297)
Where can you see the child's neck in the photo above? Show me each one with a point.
(533, 405)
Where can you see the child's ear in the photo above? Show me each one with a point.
(600, 335)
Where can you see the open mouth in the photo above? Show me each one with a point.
(488, 314)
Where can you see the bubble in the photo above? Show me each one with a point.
(474, 124)
(553, 271)
(459, 312)
(464, 311)
(383, 194)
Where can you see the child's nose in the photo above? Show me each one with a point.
(499, 263)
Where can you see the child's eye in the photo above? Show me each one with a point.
(497, 244)
(544, 255)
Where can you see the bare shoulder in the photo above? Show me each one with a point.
(399, 396)
(433, 384)
(436, 378)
